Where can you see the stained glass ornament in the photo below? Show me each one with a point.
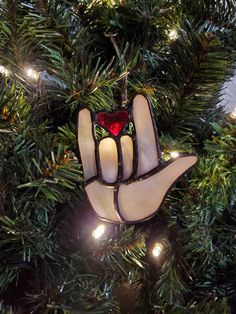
(126, 180)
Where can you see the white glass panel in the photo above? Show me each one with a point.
(138, 200)
(101, 198)
(86, 143)
(108, 159)
(147, 146)
(127, 155)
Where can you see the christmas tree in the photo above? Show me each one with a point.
(57, 57)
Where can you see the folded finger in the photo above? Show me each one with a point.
(148, 154)
(86, 143)
(127, 152)
(108, 156)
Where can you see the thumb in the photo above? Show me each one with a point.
(141, 199)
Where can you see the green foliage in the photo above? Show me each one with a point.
(204, 217)
(82, 51)
(187, 76)
(170, 287)
(207, 306)
(222, 13)
(122, 254)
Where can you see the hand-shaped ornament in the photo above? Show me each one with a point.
(125, 178)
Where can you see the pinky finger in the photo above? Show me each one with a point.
(86, 143)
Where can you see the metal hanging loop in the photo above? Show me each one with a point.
(122, 63)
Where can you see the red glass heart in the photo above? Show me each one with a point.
(113, 122)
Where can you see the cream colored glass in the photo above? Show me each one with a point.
(146, 141)
(127, 156)
(140, 197)
(108, 159)
(86, 144)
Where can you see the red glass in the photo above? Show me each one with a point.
(113, 122)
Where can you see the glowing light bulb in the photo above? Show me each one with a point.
(174, 154)
(111, 3)
(233, 114)
(32, 73)
(173, 34)
(158, 247)
(98, 232)
(4, 71)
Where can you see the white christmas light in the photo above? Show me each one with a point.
(4, 71)
(156, 251)
(174, 154)
(233, 114)
(111, 3)
(173, 34)
(98, 232)
(32, 73)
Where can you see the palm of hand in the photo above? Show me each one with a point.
(121, 187)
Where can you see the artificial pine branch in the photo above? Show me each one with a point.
(46, 265)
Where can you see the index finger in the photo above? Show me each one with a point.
(86, 143)
(146, 133)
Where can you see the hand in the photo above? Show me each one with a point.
(125, 178)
